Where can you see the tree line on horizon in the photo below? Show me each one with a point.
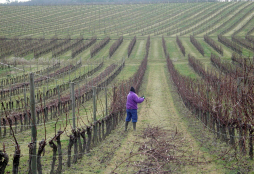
(73, 2)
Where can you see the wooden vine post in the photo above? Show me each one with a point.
(241, 131)
(0, 124)
(59, 100)
(26, 116)
(33, 126)
(73, 138)
(106, 101)
(9, 76)
(94, 114)
(44, 102)
(47, 80)
(73, 105)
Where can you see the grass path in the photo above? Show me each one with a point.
(157, 110)
(239, 25)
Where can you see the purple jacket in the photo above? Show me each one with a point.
(133, 100)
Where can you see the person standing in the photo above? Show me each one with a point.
(131, 108)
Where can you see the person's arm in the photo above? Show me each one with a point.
(138, 99)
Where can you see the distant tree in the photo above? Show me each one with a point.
(62, 2)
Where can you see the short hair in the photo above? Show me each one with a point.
(132, 89)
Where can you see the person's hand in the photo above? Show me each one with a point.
(143, 97)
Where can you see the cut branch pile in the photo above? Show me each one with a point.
(161, 151)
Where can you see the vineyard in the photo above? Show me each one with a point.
(65, 72)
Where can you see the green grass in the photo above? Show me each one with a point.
(89, 20)
(184, 69)
(137, 54)
(129, 20)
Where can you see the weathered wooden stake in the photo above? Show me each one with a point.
(73, 105)
(106, 101)
(48, 80)
(94, 114)
(69, 76)
(10, 90)
(0, 127)
(33, 126)
(44, 96)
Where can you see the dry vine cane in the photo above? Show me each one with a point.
(4, 159)
(214, 106)
(16, 156)
(161, 152)
(85, 91)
